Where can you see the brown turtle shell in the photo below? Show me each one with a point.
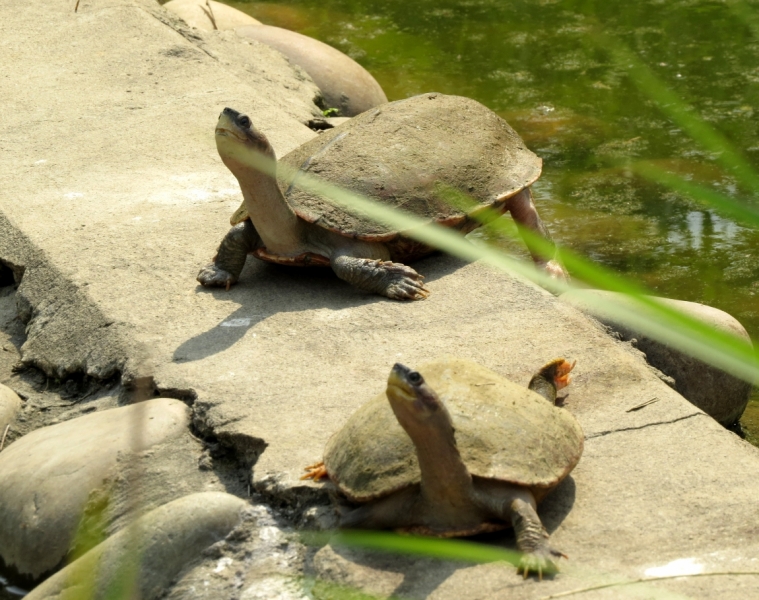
(503, 431)
(402, 154)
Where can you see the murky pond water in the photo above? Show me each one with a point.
(548, 68)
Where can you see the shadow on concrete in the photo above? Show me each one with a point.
(266, 289)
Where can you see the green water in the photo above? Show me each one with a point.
(542, 65)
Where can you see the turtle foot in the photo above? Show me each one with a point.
(393, 280)
(404, 283)
(541, 561)
(562, 377)
(317, 472)
(213, 276)
(558, 371)
(555, 270)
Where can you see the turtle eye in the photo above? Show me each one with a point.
(415, 378)
(243, 121)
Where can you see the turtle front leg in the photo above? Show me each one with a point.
(394, 280)
(230, 257)
(524, 213)
(515, 504)
(532, 540)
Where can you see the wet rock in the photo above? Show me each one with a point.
(344, 83)
(277, 587)
(209, 14)
(10, 404)
(719, 394)
(48, 476)
(261, 558)
(150, 552)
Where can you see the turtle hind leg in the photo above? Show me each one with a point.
(230, 257)
(526, 216)
(394, 280)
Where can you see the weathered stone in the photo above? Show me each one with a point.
(719, 394)
(149, 553)
(344, 83)
(141, 66)
(260, 559)
(48, 476)
(209, 14)
(10, 403)
(276, 587)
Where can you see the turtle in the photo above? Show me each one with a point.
(407, 154)
(458, 450)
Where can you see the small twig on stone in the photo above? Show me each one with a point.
(645, 580)
(209, 11)
(480, 384)
(2, 442)
(77, 6)
(642, 405)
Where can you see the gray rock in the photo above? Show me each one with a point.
(149, 553)
(344, 83)
(260, 559)
(209, 14)
(48, 476)
(276, 587)
(10, 404)
(719, 394)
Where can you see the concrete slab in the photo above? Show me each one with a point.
(113, 197)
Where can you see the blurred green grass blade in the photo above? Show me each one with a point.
(650, 317)
(657, 320)
(322, 589)
(681, 113)
(443, 549)
(740, 211)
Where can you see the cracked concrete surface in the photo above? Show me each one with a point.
(623, 429)
(113, 199)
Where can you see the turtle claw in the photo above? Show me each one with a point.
(539, 562)
(213, 276)
(407, 291)
(317, 472)
(393, 280)
(404, 282)
(555, 270)
(563, 377)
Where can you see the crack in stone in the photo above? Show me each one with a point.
(178, 27)
(604, 433)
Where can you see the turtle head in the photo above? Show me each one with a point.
(238, 141)
(413, 401)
